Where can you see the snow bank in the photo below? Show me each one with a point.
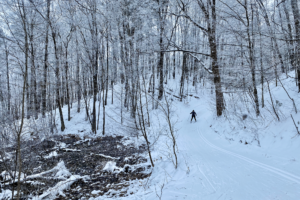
(59, 188)
(111, 167)
(60, 171)
(63, 174)
(5, 195)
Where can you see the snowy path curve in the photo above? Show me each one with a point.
(224, 171)
(277, 171)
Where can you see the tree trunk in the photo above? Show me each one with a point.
(103, 125)
(67, 84)
(78, 89)
(33, 95)
(161, 66)
(273, 38)
(251, 54)
(7, 76)
(25, 84)
(296, 14)
(107, 64)
(57, 74)
(183, 74)
(215, 65)
(290, 36)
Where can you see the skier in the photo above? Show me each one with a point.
(194, 114)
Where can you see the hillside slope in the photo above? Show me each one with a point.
(231, 157)
(236, 156)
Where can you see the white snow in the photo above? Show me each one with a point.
(213, 160)
(62, 173)
(105, 156)
(5, 194)
(5, 175)
(74, 150)
(60, 170)
(110, 166)
(59, 188)
(52, 154)
(127, 142)
(96, 192)
(62, 145)
(214, 164)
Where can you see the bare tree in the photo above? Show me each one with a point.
(295, 9)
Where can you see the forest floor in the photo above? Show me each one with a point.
(68, 167)
(236, 156)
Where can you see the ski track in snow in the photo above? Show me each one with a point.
(206, 178)
(277, 171)
(217, 172)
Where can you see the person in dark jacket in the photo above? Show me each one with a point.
(194, 114)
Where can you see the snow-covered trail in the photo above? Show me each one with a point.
(222, 171)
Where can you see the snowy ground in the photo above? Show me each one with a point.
(215, 162)
(219, 158)
(212, 167)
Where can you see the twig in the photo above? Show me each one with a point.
(272, 101)
(161, 191)
(295, 124)
(288, 95)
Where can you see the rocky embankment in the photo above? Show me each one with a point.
(68, 167)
